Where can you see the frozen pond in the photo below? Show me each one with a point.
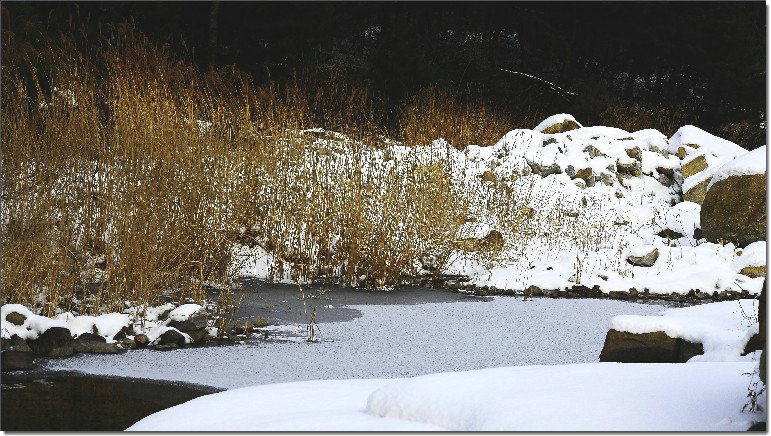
(396, 334)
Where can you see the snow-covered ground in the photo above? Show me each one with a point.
(572, 207)
(593, 397)
(390, 341)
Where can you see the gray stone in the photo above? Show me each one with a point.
(54, 342)
(544, 171)
(141, 340)
(646, 260)
(91, 343)
(170, 337)
(196, 321)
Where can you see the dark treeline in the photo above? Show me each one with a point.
(704, 62)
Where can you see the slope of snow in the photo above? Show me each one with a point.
(723, 328)
(583, 397)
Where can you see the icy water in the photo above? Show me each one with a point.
(360, 334)
(369, 334)
(44, 400)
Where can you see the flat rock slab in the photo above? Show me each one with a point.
(654, 347)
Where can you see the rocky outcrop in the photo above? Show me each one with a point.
(734, 210)
(194, 325)
(654, 347)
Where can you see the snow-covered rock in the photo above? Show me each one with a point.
(558, 124)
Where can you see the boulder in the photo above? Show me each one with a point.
(54, 342)
(644, 259)
(734, 210)
(15, 343)
(141, 340)
(560, 125)
(15, 360)
(654, 347)
(697, 192)
(542, 170)
(196, 321)
(15, 318)
(635, 153)
(694, 166)
(91, 343)
(633, 168)
(170, 339)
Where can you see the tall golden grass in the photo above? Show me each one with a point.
(128, 174)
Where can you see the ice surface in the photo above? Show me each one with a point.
(391, 341)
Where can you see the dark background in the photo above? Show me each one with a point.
(705, 59)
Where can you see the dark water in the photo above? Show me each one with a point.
(69, 401)
(284, 304)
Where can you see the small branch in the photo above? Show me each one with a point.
(554, 87)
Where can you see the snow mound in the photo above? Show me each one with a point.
(724, 328)
(692, 138)
(183, 312)
(580, 397)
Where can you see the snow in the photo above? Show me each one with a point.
(580, 397)
(751, 163)
(689, 135)
(555, 119)
(752, 255)
(183, 312)
(723, 328)
(322, 405)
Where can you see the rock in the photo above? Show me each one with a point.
(754, 271)
(561, 127)
(570, 171)
(697, 193)
(694, 166)
(141, 340)
(16, 318)
(544, 171)
(607, 179)
(758, 340)
(15, 360)
(197, 335)
(123, 332)
(127, 344)
(54, 342)
(635, 153)
(587, 175)
(654, 347)
(734, 210)
(91, 343)
(669, 234)
(15, 343)
(170, 339)
(665, 180)
(645, 260)
(196, 321)
(630, 168)
(493, 241)
(593, 151)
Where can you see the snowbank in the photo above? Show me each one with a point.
(723, 328)
(594, 397)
